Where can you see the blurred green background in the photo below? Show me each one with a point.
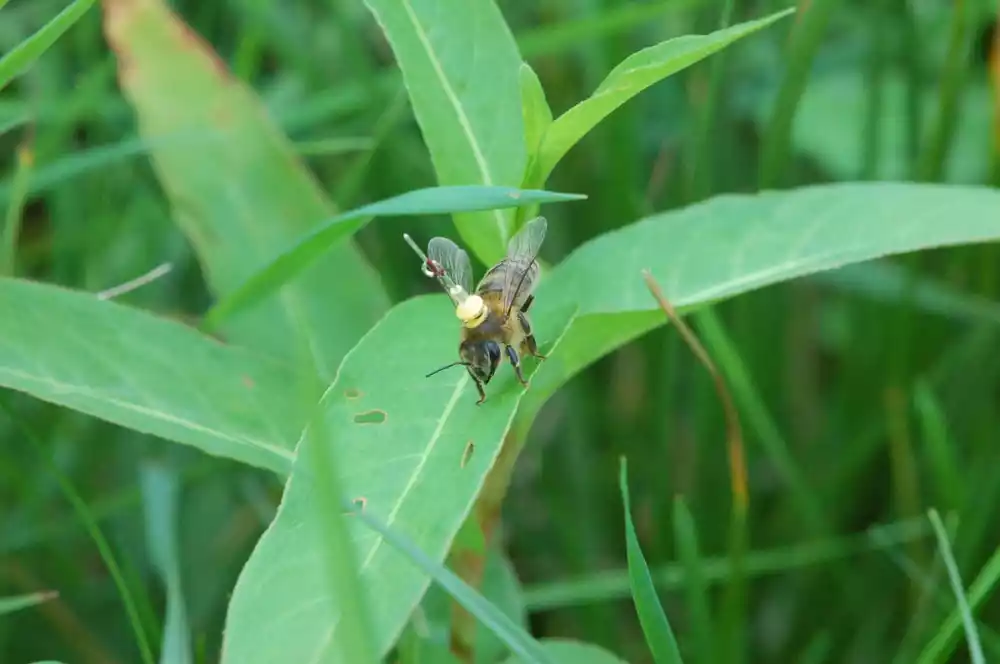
(867, 395)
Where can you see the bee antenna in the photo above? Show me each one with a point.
(448, 366)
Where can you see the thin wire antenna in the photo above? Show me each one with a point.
(138, 282)
(431, 268)
(448, 366)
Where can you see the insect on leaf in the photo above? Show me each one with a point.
(308, 249)
(409, 468)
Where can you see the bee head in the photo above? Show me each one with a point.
(472, 312)
(483, 358)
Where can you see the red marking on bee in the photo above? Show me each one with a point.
(435, 268)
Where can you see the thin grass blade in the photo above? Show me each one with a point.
(656, 627)
(24, 54)
(971, 633)
(84, 514)
(160, 492)
(941, 646)
(19, 602)
(432, 200)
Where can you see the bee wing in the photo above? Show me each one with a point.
(521, 272)
(455, 262)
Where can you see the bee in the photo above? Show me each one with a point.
(494, 318)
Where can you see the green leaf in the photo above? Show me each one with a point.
(19, 602)
(696, 587)
(152, 375)
(489, 616)
(565, 651)
(734, 244)
(434, 200)
(610, 585)
(460, 65)
(412, 451)
(160, 492)
(501, 586)
(14, 63)
(87, 519)
(655, 626)
(633, 75)
(534, 109)
(940, 648)
(955, 578)
(237, 189)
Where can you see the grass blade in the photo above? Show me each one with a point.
(432, 200)
(656, 627)
(971, 633)
(160, 493)
(615, 584)
(24, 54)
(19, 602)
(15, 210)
(686, 534)
(83, 513)
(630, 77)
(340, 565)
(516, 639)
(941, 646)
(805, 42)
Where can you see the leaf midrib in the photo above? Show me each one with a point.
(463, 119)
(60, 387)
(412, 482)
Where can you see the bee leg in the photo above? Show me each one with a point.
(482, 392)
(527, 303)
(515, 362)
(528, 345)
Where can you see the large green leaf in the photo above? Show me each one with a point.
(737, 243)
(412, 451)
(237, 189)
(402, 439)
(633, 75)
(149, 374)
(433, 200)
(460, 65)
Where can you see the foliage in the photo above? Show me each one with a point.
(322, 484)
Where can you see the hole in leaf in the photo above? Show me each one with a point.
(359, 504)
(470, 447)
(353, 393)
(371, 417)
